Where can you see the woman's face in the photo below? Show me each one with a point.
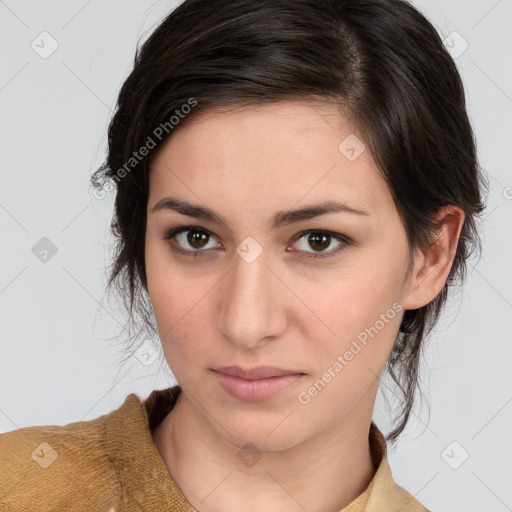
(247, 290)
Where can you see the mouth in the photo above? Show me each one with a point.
(259, 372)
(255, 384)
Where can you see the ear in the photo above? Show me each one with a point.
(432, 264)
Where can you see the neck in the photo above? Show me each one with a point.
(335, 465)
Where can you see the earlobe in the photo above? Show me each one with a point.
(432, 264)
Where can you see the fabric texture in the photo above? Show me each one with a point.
(111, 461)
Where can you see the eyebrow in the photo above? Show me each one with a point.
(281, 218)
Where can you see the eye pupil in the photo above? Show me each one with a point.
(197, 237)
(320, 239)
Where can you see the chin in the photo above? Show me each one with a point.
(266, 434)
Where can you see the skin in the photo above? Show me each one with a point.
(282, 309)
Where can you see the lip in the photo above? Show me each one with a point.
(259, 372)
(255, 384)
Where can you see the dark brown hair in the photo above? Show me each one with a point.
(381, 61)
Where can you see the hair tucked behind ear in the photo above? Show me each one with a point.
(380, 61)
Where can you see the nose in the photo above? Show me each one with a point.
(253, 308)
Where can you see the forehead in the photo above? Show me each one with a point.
(292, 150)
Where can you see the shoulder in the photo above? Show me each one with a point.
(65, 467)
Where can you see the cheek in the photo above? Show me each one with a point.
(179, 308)
(178, 313)
(347, 364)
(166, 291)
(182, 335)
(180, 301)
(356, 314)
(170, 294)
(345, 304)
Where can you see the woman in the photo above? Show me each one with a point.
(297, 189)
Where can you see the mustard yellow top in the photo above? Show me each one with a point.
(111, 461)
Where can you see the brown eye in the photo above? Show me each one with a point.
(197, 238)
(319, 241)
(195, 241)
(191, 241)
(320, 244)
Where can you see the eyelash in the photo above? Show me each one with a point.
(344, 240)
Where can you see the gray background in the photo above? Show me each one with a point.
(60, 360)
